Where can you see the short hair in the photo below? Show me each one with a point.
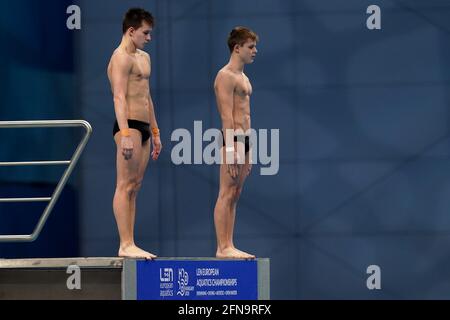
(240, 35)
(134, 17)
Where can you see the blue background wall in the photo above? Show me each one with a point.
(38, 81)
(363, 119)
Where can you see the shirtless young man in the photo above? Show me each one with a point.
(129, 72)
(233, 90)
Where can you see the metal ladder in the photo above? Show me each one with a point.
(62, 182)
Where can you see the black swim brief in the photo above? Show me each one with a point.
(143, 127)
(242, 138)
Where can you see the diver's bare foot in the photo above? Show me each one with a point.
(233, 253)
(247, 255)
(135, 252)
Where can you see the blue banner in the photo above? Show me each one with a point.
(196, 280)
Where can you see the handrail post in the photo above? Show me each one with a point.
(64, 178)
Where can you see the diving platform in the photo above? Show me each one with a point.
(131, 279)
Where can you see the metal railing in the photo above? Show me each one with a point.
(62, 182)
